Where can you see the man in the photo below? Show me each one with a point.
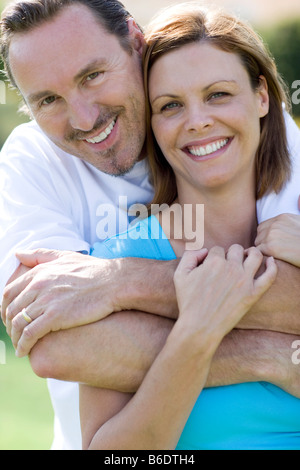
(82, 82)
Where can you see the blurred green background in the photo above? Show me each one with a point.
(26, 416)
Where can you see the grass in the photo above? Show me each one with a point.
(26, 416)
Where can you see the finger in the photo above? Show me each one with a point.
(264, 249)
(267, 278)
(253, 260)
(236, 253)
(21, 300)
(19, 323)
(35, 257)
(31, 334)
(21, 269)
(216, 251)
(190, 260)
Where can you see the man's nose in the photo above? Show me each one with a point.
(82, 114)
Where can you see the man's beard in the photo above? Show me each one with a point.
(115, 167)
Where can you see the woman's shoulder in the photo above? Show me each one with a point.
(144, 239)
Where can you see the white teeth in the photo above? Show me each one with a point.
(210, 148)
(101, 137)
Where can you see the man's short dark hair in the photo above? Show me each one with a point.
(23, 16)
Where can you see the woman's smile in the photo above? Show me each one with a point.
(201, 151)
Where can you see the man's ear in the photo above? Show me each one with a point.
(137, 37)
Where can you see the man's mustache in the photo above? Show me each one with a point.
(102, 122)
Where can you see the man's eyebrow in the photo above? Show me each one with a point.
(92, 66)
(35, 97)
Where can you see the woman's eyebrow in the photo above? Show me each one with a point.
(217, 82)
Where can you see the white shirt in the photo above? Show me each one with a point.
(50, 199)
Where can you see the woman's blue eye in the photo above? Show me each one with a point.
(219, 94)
(169, 106)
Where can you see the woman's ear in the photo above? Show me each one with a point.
(263, 97)
(136, 35)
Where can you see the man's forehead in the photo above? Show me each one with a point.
(70, 52)
(76, 24)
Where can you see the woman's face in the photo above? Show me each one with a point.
(206, 115)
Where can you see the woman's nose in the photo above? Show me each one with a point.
(198, 118)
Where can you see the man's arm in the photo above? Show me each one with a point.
(52, 290)
(278, 309)
(117, 352)
(113, 353)
(69, 289)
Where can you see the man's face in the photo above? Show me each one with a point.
(84, 90)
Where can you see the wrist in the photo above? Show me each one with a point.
(146, 285)
(271, 353)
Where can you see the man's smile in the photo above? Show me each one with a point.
(103, 134)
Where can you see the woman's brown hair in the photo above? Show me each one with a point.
(187, 23)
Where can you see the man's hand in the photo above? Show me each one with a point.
(81, 284)
(64, 290)
(280, 237)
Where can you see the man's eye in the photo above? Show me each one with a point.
(48, 100)
(93, 76)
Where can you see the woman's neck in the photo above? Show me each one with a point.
(229, 218)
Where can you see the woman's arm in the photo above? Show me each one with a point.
(174, 381)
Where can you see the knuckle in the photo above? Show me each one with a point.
(6, 292)
(27, 333)
(39, 285)
(253, 251)
(10, 314)
(16, 323)
(272, 245)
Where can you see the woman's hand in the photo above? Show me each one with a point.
(215, 290)
(280, 237)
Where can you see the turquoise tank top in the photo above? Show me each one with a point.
(247, 416)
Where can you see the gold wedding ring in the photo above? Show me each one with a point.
(26, 316)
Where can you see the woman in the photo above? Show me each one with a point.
(214, 145)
